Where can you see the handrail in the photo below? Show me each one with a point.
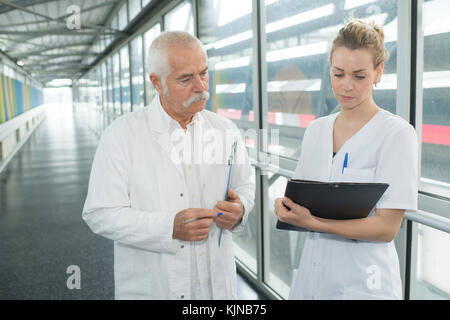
(429, 219)
(426, 218)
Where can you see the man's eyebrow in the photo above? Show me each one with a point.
(188, 75)
(185, 75)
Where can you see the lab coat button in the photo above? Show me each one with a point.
(182, 246)
(181, 194)
(182, 296)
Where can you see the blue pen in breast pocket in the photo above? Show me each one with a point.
(345, 162)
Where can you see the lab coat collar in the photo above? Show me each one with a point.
(159, 129)
(161, 121)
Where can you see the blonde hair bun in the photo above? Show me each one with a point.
(358, 34)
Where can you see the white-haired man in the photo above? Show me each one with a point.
(158, 185)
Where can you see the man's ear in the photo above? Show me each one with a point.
(156, 82)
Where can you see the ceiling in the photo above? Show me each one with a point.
(39, 35)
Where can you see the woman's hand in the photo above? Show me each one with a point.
(297, 215)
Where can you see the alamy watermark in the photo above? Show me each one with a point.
(214, 146)
(74, 280)
(74, 20)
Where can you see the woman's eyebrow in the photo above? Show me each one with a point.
(356, 71)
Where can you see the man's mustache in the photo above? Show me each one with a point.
(196, 97)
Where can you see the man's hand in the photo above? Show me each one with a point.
(193, 224)
(232, 211)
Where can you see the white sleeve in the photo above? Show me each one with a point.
(107, 209)
(397, 165)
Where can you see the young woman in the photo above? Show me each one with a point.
(355, 259)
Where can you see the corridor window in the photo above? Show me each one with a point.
(245, 242)
(299, 35)
(123, 17)
(435, 171)
(110, 93)
(137, 73)
(227, 36)
(149, 36)
(432, 279)
(116, 74)
(180, 18)
(125, 79)
(283, 248)
(134, 8)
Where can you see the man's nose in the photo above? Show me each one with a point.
(200, 84)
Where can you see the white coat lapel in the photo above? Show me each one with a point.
(160, 133)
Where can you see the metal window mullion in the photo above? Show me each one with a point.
(417, 65)
(195, 15)
(258, 59)
(403, 109)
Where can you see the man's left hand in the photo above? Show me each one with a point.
(232, 211)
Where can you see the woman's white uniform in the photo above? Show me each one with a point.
(333, 267)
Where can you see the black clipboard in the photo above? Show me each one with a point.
(333, 200)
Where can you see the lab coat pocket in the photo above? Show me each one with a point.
(358, 175)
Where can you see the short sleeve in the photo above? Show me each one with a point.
(397, 165)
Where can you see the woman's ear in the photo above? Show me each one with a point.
(379, 72)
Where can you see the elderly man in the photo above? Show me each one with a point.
(158, 185)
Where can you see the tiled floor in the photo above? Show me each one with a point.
(42, 191)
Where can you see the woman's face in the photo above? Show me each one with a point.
(353, 76)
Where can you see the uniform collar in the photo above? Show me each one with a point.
(167, 121)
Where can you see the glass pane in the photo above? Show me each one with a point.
(149, 36)
(123, 19)
(135, 8)
(433, 264)
(436, 99)
(227, 36)
(125, 79)
(116, 70)
(180, 18)
(283, 247)
(104, 85)
(299, 35)
(245, 242)
(145, 2)
(110, 94)
(137, 72)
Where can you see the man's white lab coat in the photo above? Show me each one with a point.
(137, 187)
